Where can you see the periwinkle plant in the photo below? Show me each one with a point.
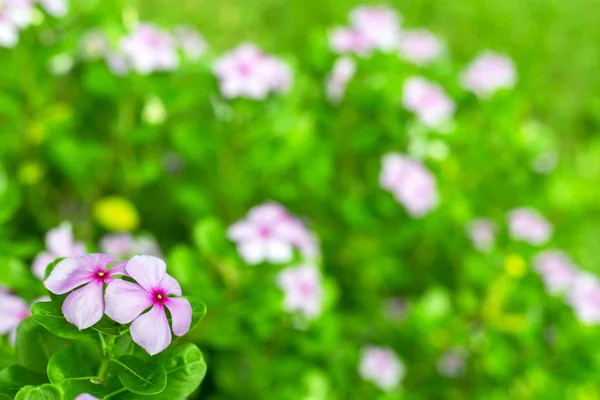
(106, 334)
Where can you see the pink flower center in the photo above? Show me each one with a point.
(244, 69)
(102, 275)
(306, 289)
(159, 297)
(264, 231)
(153, 40)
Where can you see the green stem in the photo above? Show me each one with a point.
(106, 357)
(116, 392)
(103, 369)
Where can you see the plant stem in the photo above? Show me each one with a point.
(116, 392)
(103, 369)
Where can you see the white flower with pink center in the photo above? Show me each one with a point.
(13, 310)
(303, 290)
(420, 46)
(584, 298)
(488, 73)
(270, 234)
(556, 269)
(379, 24)
(428, 101)
(482, 233)
(336, 82)
(527, 225)
(150, 49)
(345, 40)
(381, 366)
(125, 245)
(411, 183)
(191, 42)
(59, 243)
(248, 72)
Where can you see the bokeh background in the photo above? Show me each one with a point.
(166, 155)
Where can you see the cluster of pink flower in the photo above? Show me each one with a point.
(412, 184)
(428, 101)
(525, 224)
(59, 243)
(561, 276)
(16, 15)
(270, 233)
(147, 49)
(148, 286)
(13, 310)
(247, 71)
(381, 366)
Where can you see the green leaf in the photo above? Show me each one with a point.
(198, 311)
(110, 327)
(50, 316)
(70, 369)
(35, 345)
(185, 368)
(16, 275)
(14, 378)
(44, 392)
(139, 376)
(209, 236)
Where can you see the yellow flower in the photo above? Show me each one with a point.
(116, 214)
(515, 266)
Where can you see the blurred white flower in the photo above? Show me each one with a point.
(56, 8)
(381, 366)
(488, 73)
(428, 101)
(344, 40)
(420, 46)
(556, 269)
(336, 82)
(380, 25)
(482, 232)
(150, 49)
(303, 290)
(528, 225)
(191, 42)
(584, 298)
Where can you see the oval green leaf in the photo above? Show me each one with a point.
(15, 377)
(71, 370)
(50, 316)
(138, 376)
(44, 392)
(35, 345)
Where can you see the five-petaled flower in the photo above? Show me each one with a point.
(13, 310)
(87, 274)
(150, 49)
(381, 366)
(155, 289)
(59, 243)
(303, 290)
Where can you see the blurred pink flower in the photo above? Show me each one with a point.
(150, 49)
(126, 301)
(56, 8)
(411, 183)
(335, 85)
(270, 233)
(528, 225)
(191, 42)
(556, 269)
(303, 290)
(482, 232)
(420, 46)
(13, 310)
(452, 363)
(86, 396)
(20, 12)
(381, 366)
(584, 298)
(488, 73)
(59, 243)
(344, 40)
(125, 245)
(84, 277)
(117, 63)
(9, 31)
(379, 24)
(247, 72)
(428, 101)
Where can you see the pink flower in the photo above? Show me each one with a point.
(420, 46)
(411, 183)
(13, 310)
(191, 42)
(150, 49)
(86, 396)
(247, 72)
(20, 12)
(87, 274)
(381, 366)
(488, 73)
(428, 101)
(348, 40)
(584, 298)
(303, 290)
(335, 85)
(56, 8)
(126, 301)
(379, 24)
(59, 243)
(556, 269)
(270, 233)
(528, 225)
(124, 245)
(117, 63)
(452, 363)
(482, 232)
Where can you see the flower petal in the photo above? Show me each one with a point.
(40, 263)
(170, 285)
(253, 251)
(12, 311)
(181, 314)
(59, 240)
(119, 269)
(67, 275)
(278, 251)
(86, 396)
(84, 307)
(96, 261)
(125, 301)
(152, 331)
(147, 271)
